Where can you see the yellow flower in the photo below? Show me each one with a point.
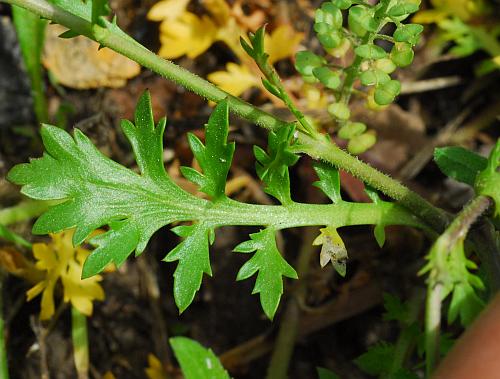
(155, 369)
(235, 80)
(60, 260)
(282, 43)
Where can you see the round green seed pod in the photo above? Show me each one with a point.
(329, 14)
(374, 77)
(370, 51)
(351, 130)
(327, 77)
(387, 92)
(361, 143)
(342, 4)
(401, 54)
(361, 20)
(330, 40)
(385, 65)
(408, 33)
(305, 62)
(340, 111)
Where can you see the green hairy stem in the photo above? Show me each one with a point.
(113, 38)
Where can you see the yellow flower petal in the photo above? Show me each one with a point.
(47, 304)
(282, 43)
(167, 10)
(35, 290)
(219, 10)
(155, 369)
(188, 35)
(60, 260)
(45, 256)
(235, 80)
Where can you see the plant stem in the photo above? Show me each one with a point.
(30, 33)
(327, 151)
(4, 371)
(80, 343)
(456, 232)
(408, 335)
(25, 210)
(432, 325)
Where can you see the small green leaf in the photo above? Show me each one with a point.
(270, 266)
(197, 362)
(324, 373)
(89, 10)
(377, 360)
(306, 62)
(329, 180)
(215, 157)
(327, 77)
(194, 260)
(361, 20)
(464, 303)
(488, 181)
(272, 166)
(395, 309)
(401, 54)
(459, 163)
(386, 93)
(370, 51)
(271, 88)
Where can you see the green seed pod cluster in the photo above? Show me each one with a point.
(373, 62)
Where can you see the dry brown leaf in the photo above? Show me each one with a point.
(78, 63)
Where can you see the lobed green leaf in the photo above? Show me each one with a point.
(197, 362)
(272, 166)
(270, 267)
(215, 157)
